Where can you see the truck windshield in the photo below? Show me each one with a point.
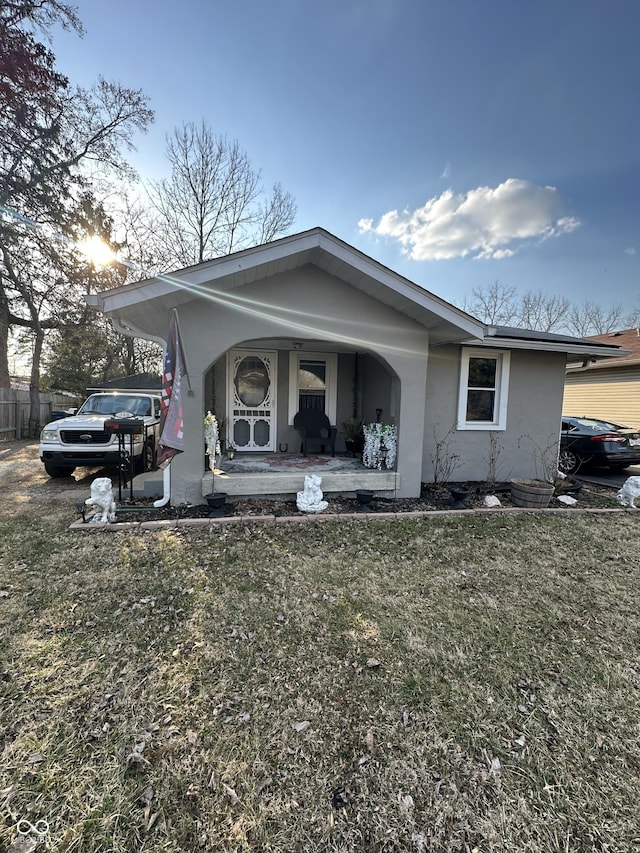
(108, 404)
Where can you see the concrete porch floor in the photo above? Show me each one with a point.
(276, 475)
(269, 474)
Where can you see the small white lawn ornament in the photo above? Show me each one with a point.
(629, 492)
(102, 499)
(310, 499)
(567, 500)
(491, 501)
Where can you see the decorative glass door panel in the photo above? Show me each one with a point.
(252, 395)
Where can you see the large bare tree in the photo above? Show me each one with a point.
(213, 201)
(57, 145)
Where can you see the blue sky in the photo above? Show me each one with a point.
(459, 142)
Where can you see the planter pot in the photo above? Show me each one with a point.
(216, 501)
(531, 493)
(364, 498)
(459, 495)
(355, 446)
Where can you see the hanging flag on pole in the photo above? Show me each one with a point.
(171, 419)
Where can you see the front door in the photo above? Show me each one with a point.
(252, 397)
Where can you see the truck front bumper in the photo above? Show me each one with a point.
(88, 458)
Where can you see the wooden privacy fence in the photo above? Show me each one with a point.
(14, 411)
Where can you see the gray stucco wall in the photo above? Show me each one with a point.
(308, 305)
(536, 386)
(417, 391)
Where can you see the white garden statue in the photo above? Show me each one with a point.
(310, 499)
(102, 499)
(630, 492)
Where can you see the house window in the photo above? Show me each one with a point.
(484, 385)
(313, 383)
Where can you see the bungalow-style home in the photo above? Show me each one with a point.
(308, 321)
(608, 390)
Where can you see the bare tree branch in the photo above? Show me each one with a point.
(210, 205)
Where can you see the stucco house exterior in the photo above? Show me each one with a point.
(309, 320)
(607, 389)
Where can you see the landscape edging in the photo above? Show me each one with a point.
(171, 523)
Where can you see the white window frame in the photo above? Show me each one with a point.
(331, 385)
(503, 366)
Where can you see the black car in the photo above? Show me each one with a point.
(590, 441)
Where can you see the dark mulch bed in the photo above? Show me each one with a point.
(431, 498)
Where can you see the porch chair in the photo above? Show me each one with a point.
(314, 425)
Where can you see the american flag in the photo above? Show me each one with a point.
(171, 420)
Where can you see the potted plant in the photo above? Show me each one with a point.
(354, 441)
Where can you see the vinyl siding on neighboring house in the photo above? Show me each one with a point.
(611, 394)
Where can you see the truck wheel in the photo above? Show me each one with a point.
(147, 459)
(58, 470)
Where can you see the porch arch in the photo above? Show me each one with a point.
(366, 381)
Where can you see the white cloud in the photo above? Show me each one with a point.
(484, 222)
(630, 251)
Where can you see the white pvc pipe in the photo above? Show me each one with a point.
(166, 486)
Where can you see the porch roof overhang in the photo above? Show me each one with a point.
(220, 278)
(582, 350)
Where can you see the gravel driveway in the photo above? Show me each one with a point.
(24, 480)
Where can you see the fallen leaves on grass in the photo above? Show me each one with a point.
(431, 685)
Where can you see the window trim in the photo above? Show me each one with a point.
(503, 367)
(331, 385)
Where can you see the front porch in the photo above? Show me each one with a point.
(282, 475)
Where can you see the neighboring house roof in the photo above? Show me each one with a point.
(222, 276)
(137, 382)
(628, 340)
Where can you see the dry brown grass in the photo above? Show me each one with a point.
(465, 684)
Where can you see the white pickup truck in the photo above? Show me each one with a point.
(82, 440)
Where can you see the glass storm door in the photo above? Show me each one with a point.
(252, 389)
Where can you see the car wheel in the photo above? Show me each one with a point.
(568, 461)
(58, 470)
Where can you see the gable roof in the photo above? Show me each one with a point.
(446, 323)
(316, 247)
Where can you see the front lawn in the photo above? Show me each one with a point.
(459, 684)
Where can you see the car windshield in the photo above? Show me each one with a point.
(107, 404)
